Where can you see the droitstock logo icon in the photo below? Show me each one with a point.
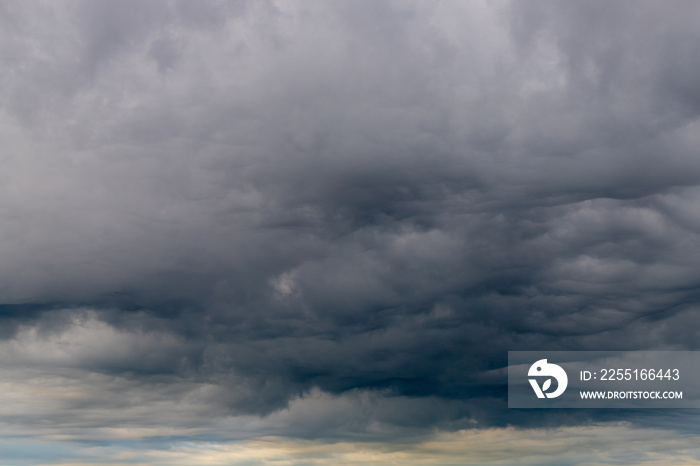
(543, 369)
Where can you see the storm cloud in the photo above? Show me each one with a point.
(250, 205)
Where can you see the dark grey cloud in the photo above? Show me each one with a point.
(271, 198)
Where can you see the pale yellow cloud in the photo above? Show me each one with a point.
(587, 446)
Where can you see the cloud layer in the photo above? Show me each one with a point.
(233, 206)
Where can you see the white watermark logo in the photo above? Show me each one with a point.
(542, 368)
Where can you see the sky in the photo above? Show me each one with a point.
(308, 232)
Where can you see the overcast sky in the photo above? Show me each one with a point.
(326, 223)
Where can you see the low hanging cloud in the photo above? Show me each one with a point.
(249, 203)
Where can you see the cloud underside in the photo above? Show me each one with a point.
(226, 211)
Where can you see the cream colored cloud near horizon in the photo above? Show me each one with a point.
(618, 443)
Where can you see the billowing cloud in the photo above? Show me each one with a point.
(231, 206)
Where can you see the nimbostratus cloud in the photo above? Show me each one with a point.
(271, 198)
